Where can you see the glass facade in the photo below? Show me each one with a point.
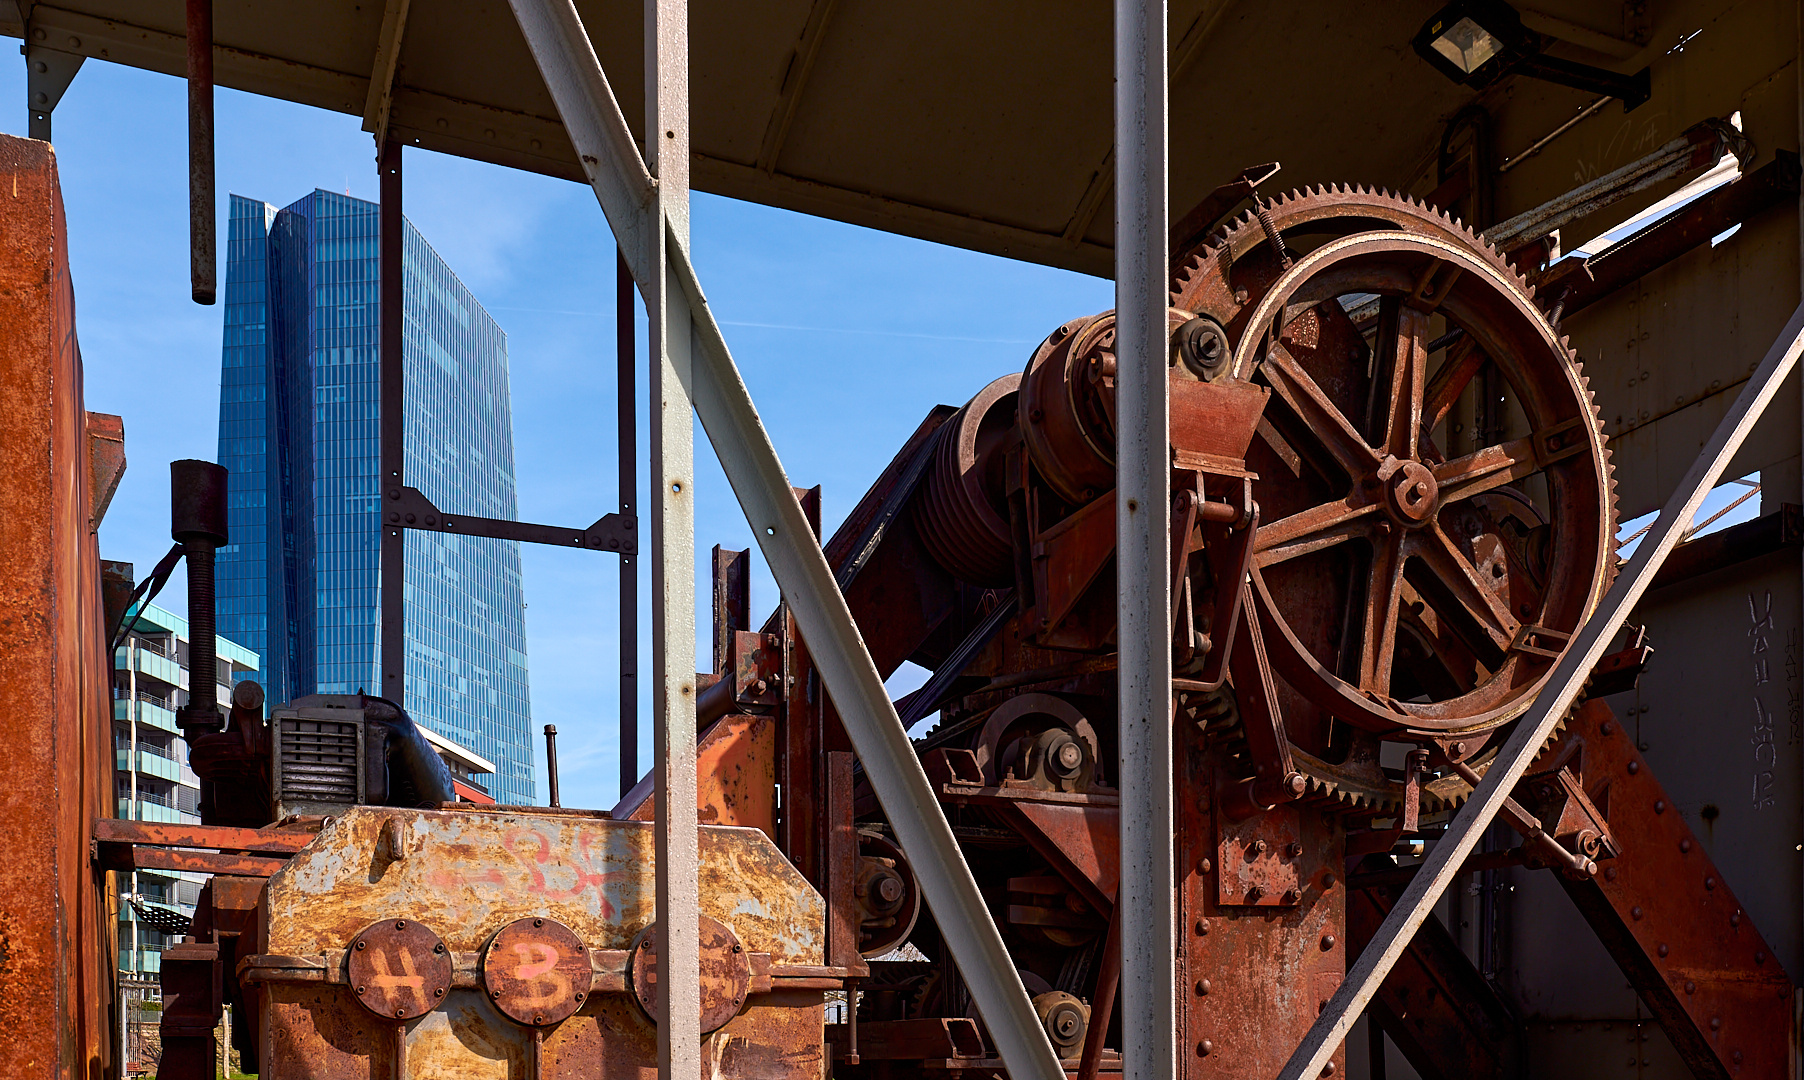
(299, 392)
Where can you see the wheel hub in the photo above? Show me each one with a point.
(1411, 495)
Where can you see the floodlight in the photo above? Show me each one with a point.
(1477, 42)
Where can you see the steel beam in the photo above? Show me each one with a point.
(673, 545)
(1143, 528)
(573, 75)
(627, 415)
(392, 557)
(1556, 698)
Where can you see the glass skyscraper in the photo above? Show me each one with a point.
(298, 396)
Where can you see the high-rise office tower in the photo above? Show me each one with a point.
(298, 429)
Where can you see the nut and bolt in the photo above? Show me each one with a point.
(1295, 851)
(1256, 892)
(1259, 847)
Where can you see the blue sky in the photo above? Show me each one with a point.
(846, 337)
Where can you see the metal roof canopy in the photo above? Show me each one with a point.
(982, 126)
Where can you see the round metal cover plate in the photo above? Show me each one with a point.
(537, 971)
(726, 973)
(399, 969)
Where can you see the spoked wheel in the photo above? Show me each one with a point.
(1401, 590)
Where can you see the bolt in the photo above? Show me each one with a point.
(1256, 892)
(360, 944)
(1459, 749)
(400, 1013)
(439, 948)
(737, 948)
(579, 997)
(400, 924)
(1202, 987)
(494, 993)
(538, 1018)
(538, 922)
(440, 992)
(1295, 851)
(361, 989)
(1259, 847)
(1291, 896)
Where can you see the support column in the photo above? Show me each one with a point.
(392, 234)
(673, 543)
(1143, 526)
(626, 422)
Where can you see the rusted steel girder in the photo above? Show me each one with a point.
(58, 921)
(1669, 918)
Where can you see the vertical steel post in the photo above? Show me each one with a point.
(1143, 526)
(626, 407)
(551, 763)
(202, 245)
(392, 235)
(673, 543)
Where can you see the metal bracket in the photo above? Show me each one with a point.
(409, 508)
(48, 74)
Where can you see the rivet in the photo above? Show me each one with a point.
(494, 993)
(1327, 941)
(1205, 1048)
(361, 943)
(439, 948)
(538, 922)
(1202, 987)
(1691, 987)
(1716, 1023)
(1685, 846)
(400, 1012)
(1609, 873)
(1709, 883)
(538, 1018)
(1328, 1069)
(1664, 949)
(440, 992)
(1735, 919)
(1634, 767)
(1736, 1056)
(579, 997)
(1660, 807)
(1328, 881)
(1203, 866)
(1202, 927)
(1607, 728)
(400, 924)
(361, 989)
(1760, 957)
(1635, 912)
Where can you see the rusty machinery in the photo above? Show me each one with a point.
(1370, 584)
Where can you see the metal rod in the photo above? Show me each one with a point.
(673, 545)
(1554, 134)
(627, 423)
(566, 61)
(551, 762)
(1556, 697)
(1143, 528)
(392, 232)
(202, 246)
(1102, 999)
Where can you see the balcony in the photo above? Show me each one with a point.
(149, 713)
(150, 664)
(150, 763)
(151, 810)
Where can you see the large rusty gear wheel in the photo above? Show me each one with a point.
(1460, 590)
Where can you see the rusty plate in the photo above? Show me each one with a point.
(1259, 859)
(537, 971)
(399, 969)
(726, 973)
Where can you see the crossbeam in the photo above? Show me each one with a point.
(1550, 707)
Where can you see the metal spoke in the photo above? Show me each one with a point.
(1456, 577)
(1384, 589)
(1324, 420)
(1402, 344)
(1492, 467)
(1314, 529)
(1463, 362)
